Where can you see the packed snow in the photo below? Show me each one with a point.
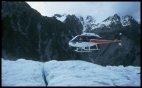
(22, 73)
(67, 73)
(81, 73)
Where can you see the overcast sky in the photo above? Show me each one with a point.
(100, 10)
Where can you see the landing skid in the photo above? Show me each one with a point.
(87, 49)
(77, 50)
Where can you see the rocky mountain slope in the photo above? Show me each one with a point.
(26, 33)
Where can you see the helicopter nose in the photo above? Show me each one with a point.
(70, 43)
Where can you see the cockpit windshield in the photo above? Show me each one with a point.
(82, 38)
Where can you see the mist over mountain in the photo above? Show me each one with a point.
(28, 34)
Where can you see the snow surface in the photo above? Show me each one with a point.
(81, 73)
(67, 73)
(22, 73)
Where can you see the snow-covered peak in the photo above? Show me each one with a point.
(90, 19)
(126, 20)
(112, 20)
(88, 22)
(99, 25)
(60, 17)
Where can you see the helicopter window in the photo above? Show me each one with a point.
(76, 39)
(80, 38)
(83, 39)
(93, 37)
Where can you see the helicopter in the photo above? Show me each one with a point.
(85, 42)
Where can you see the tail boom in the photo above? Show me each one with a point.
(104, 41)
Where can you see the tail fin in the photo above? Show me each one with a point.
(118, 41)
(120, 44)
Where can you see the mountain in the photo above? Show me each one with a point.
(28, 34)
(111, 22)
(111, 28)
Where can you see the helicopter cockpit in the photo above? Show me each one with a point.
(83, 38)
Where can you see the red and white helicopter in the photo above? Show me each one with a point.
(85, 41)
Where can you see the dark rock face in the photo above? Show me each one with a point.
(19, 30)
(28, 34)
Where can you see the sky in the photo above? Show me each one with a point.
(99, 10)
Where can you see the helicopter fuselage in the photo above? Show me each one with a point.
(83, 41)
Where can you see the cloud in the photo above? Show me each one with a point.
(100, 10)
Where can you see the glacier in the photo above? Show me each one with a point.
(22, 73)
(67, 73)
